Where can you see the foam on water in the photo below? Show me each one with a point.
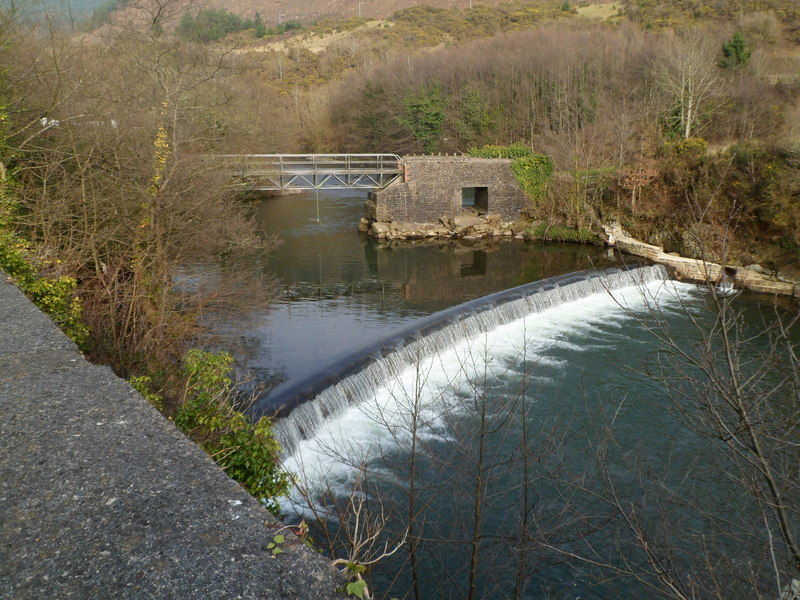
(373, 406)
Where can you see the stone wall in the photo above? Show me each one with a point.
(699, 271)
(432, 190)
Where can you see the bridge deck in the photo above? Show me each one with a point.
(312, 171)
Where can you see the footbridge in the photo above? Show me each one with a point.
(311, 171)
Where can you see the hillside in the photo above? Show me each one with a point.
(276, 11)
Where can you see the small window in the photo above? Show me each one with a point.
(476, 198)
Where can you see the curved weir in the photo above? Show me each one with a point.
(303, 406)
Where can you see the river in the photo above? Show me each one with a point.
(338, 289)
(514, 452)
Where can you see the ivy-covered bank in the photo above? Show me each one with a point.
(246, 450)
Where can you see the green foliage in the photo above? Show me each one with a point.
(762, 186)
(211, 25)
(246, 450)
(275, 545)
(493, 151)
(547, 232)
(102, 13)
(288, 26)
(423, 115)
(142, 384)
(476, 116)
(533, 173)
(54, 295)
(257, 24)
(687, 148)
(735, 53)
(357, 588)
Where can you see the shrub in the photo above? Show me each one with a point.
(55, 296)
(517, 150)
(246, 450)
(547, 232)
(211, 25)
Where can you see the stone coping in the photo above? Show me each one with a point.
(101, 497)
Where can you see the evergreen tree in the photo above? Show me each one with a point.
(735, 53)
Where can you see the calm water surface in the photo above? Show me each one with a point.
(340, 289)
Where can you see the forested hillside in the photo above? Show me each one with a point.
(678, 120)
(683, 124)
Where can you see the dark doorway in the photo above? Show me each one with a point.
(476, 198)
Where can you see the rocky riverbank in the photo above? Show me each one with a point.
(467, 226)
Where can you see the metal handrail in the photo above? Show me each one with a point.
(312, 171)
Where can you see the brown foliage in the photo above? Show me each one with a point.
(111, 184)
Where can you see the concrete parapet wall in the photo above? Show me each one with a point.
(432, 190)
(102, 497)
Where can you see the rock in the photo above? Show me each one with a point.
(633, 246)
(465, 221)
(614, 231)
(410, 229)
(380, 229)
(363, 224)
(759, 269)
(463, 226)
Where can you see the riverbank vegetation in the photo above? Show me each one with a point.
(680, 120)
(115, 224)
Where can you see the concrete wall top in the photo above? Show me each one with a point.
(102, 497)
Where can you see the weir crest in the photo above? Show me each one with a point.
(307, 404)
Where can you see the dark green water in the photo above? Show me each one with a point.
(569, 420)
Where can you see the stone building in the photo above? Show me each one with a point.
(444, 196)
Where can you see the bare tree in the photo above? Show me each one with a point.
(689, 75)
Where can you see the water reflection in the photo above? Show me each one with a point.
(340, 289)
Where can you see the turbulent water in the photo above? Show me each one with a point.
(542, 333)
(372, 367)
(558, 360)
